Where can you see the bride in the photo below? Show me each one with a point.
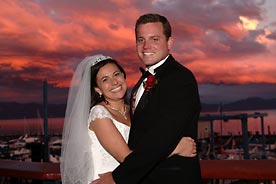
(97, 122)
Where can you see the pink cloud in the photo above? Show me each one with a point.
(47, 39)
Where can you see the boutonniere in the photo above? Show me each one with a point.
(150, 83)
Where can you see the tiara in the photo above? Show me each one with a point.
(100, 58)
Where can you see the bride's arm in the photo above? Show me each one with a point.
(186, 147)
(110, 138)
(113, 142)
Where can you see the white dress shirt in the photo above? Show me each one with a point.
(141, 89)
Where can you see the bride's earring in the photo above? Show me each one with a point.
(100, 95)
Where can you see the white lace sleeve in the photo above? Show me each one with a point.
(98, 111)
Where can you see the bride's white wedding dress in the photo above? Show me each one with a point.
(102, 161)
(82, 156)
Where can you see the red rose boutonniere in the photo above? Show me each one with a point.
(150, 83)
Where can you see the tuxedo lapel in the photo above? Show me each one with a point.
(145, 74)
(135, 88)
(159, 72)
(133, 94)
(137, 85)
(142, 102)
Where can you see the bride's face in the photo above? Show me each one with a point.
(111, 82)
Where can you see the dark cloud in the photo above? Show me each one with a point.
(224, 92)
(223, 45)
(272, 35)
(113, 26)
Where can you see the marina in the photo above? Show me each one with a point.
(221, 148)
(245, 139)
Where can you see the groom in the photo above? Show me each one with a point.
(166, 108)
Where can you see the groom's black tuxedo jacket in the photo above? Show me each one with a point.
(162, 117)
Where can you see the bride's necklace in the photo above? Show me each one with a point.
(123, 113)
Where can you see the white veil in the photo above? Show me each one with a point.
(76, 163)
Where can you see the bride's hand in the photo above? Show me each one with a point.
(105, 178)
(186, 147)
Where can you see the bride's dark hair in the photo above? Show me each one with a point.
(95, 97)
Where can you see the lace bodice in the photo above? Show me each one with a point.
(102, 160)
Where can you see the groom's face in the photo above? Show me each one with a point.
(151, 43)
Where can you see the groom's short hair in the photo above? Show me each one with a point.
(152, 18)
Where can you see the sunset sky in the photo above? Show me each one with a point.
(230, 45)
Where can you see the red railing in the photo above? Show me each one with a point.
(211, 169)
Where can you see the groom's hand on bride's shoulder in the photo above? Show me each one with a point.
(105, 178)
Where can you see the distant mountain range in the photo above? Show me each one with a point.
(14, 110)
(254, 103)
